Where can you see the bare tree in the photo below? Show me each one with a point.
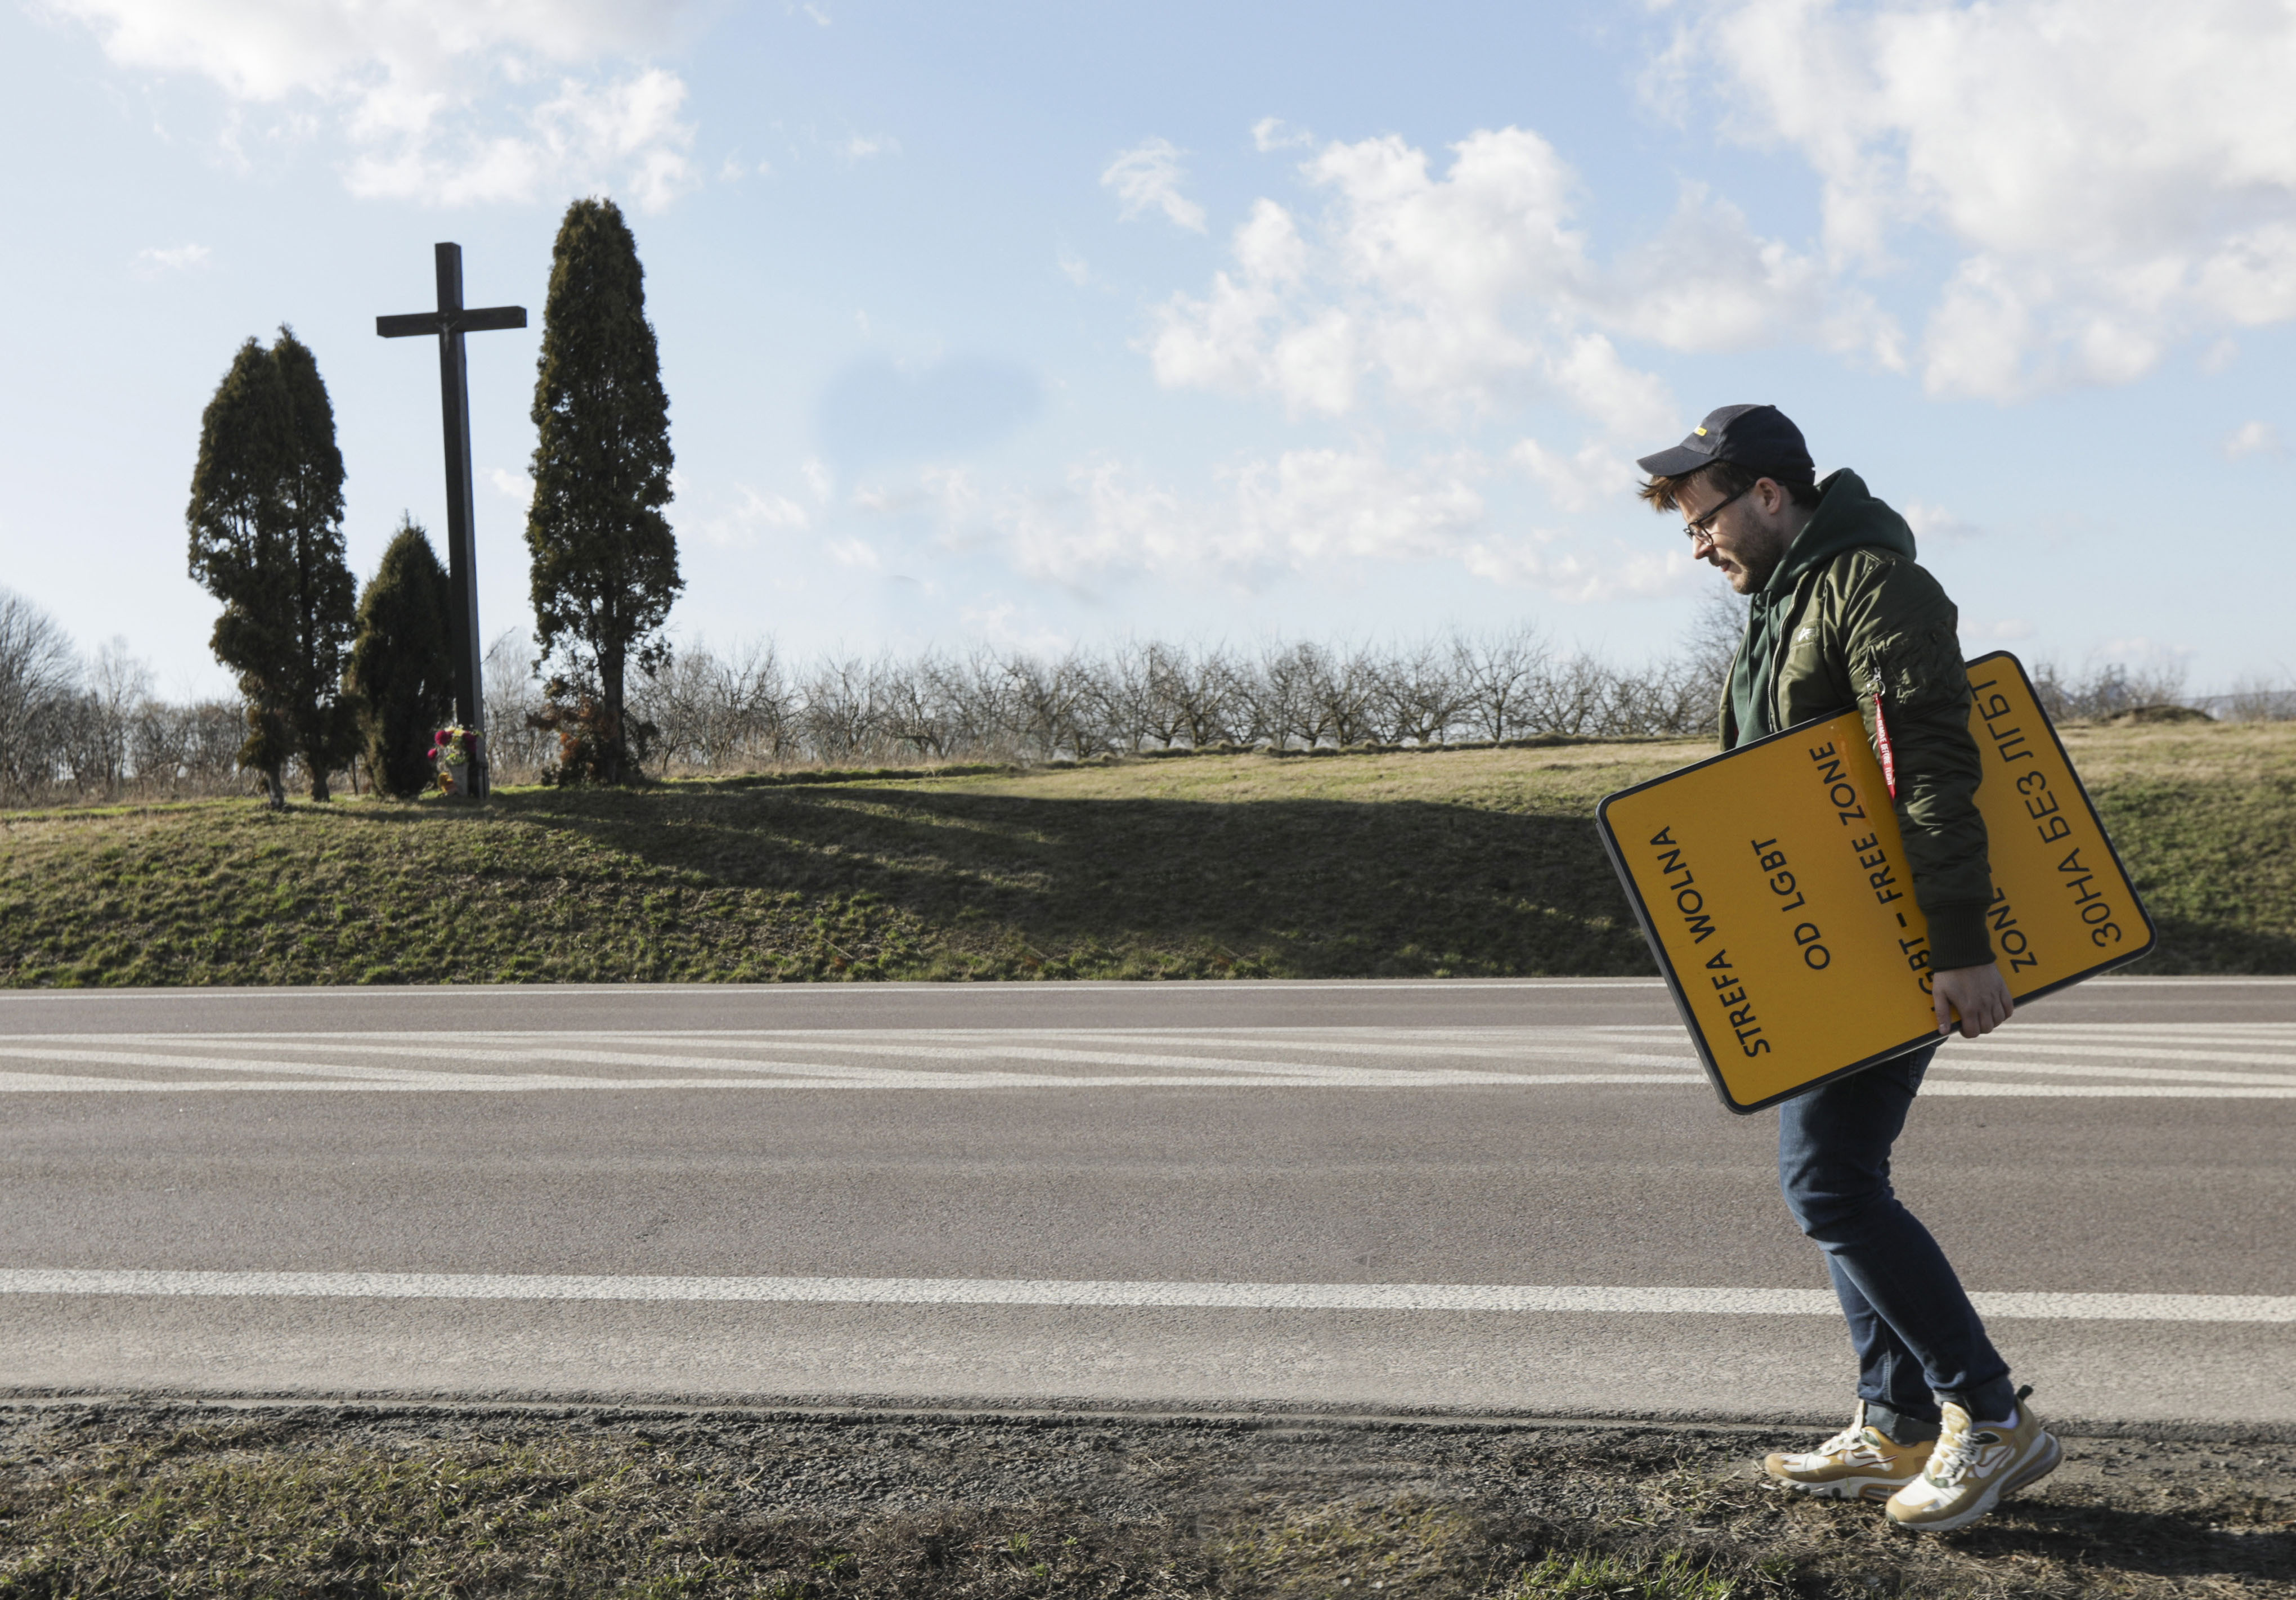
(919, 708)
(39, 674)
(1281, 694)
(516, 749)
(118, 686)
(1717, 633)
(2106, 690)
(2256, 698)
(1496, 675)
(1420, 698)
(841, 709)
(1122, 690)
(1045, 697)
(191, 749)
(1570, 697)
(1202, 690)
(713, 712)
(1672, 697)
(1343, 688)
(1164, 708)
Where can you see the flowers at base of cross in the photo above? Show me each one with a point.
(452, 748)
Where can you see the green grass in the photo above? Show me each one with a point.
(1672, 1577)
(1469, 864)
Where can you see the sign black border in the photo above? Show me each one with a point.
(1674, 987)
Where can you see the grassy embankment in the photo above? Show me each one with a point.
(1461, 863)
(136, 1501)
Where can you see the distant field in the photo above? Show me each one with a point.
(1465, 864)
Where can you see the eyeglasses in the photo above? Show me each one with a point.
(1703, 530)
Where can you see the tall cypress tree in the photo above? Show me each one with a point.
(267, 540)
(402, 670)
(605, 560)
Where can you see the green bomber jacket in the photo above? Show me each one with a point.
(1847, 617)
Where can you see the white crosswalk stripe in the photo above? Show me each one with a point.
(1152, 1294)
(2034, 1058)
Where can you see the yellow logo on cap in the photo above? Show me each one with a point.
(1699, 431)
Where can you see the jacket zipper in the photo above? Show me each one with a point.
(1785, 642)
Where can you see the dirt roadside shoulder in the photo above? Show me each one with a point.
(150, 1497)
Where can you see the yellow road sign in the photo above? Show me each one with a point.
(1772, 885)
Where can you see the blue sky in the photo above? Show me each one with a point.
(1040, 325)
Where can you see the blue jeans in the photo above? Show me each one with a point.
(1919, 1341)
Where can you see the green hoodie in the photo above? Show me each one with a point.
(1849, 620)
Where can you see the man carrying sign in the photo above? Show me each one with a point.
(1842, 617)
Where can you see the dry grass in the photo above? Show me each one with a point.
(137, 1502)
(1466, 863)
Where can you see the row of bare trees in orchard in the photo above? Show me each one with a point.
(707, 712)
(78, 728)
(745, 710)
(74, 728)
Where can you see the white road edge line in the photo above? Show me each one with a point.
(1360, 1081)
(1122, 1294)
(846, 1078)
(495, 992)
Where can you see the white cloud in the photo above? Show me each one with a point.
(1594, 474)
(1074, 267)
(1147, 177)
(630, 128)
(2252, 438)
(454, 102)
(1467, 289)
(1936, 524)
(173, 258)
(1000, 622)
(2115, 175)
(1328, 511)
(1247, 333)
(1526, 563)
(1707, 282)
(860, 147)
(1304, 507)
(2159, 654)
(517, 485)
(1309, 506)
(1273, 134)
(754, 516)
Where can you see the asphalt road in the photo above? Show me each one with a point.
(1510, 1197)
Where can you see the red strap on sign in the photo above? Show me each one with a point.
(1881, 747)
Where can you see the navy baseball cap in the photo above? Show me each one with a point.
(1759, 438)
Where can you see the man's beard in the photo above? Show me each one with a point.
(1759, 565)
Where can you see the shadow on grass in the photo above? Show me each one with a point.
(2188, 947)
(892, 879)
(2167, 1544)
(1320, 887)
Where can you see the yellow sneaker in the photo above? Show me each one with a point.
(1973, 1466)
(1857, 1463)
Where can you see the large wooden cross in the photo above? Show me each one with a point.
(450, 322)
